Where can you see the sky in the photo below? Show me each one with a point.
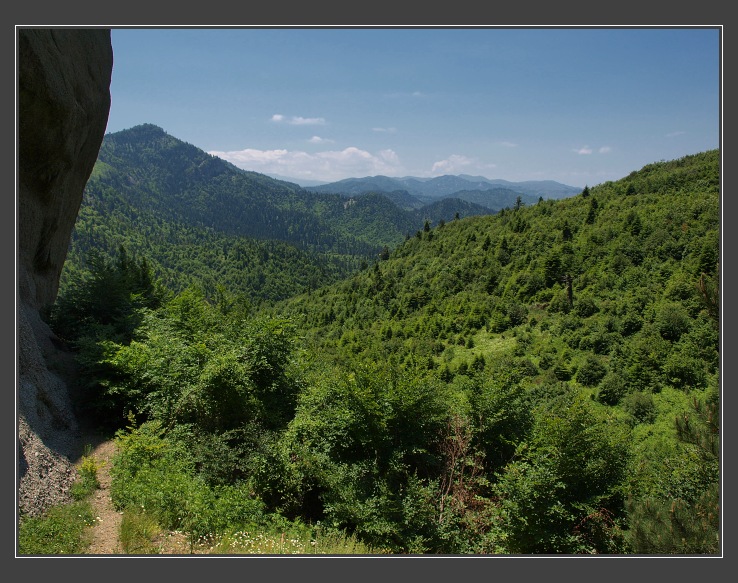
(577, 105)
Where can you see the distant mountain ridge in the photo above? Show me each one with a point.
(428, 189)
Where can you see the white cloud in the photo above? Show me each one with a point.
(508, 144)
(297, 120)
(404, 94)
(675, 134)
(452, 165)
(307, 121)
(329, 165)
(584, 150)
(319, 140)
(385, 130)
(605, 150)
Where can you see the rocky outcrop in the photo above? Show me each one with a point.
(63, 105)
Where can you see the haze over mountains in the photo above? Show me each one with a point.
(428, 189)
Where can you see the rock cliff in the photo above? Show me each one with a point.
(63, 104)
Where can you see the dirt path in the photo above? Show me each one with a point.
(106, 531)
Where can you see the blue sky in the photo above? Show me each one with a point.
(576, 105)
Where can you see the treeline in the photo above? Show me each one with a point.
(545, 380)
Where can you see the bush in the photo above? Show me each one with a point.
(591, 372)
(585, 306)
(547, 360)
(498, 322)
(87, 482)
(641, 407)
(683, 371)
(612, 389)
(517, 313)
(630, 323)
(559, 493)
(560, 303)
(672, 320)
(563, 371)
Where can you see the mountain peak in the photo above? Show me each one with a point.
(144, 128)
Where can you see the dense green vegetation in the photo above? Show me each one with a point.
(545, 380)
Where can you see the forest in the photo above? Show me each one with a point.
(544, 379)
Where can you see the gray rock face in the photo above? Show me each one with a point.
(63, 105)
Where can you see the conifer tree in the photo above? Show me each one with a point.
(690, 522)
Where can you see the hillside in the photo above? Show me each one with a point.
(197, 217)
(543, 380)
(609, 297)
(630, 248)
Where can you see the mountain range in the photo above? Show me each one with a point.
(165, 198)
(414, 192)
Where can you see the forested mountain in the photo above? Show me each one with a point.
(447, 186)
(354, 186)
(543, 380)
(403, 199)
(496, 199)
(617, 250)
(575, 347)
(545, 188)
(199, 218)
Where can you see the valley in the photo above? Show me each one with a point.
(423, 372)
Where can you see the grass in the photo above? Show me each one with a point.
(141, 535)
(63, 529)
(317, 542)
(138, 533)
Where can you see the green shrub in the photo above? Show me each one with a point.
(547, 360)
(591, 372)
(641, 407)
(630, 323)
(563, 370)
(87, 482)
(585, 306)
(684, 371)
(560, 492)
(672, 320)
(612, 389)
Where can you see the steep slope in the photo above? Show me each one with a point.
(64, 99)
(576, 343)
(156, 172)
(496, 384)
(630, 249)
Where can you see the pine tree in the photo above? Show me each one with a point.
(684, 524)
